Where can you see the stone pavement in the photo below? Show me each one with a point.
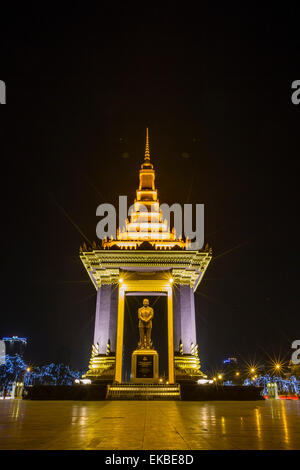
(271, 424)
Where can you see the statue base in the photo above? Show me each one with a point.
(144, 366)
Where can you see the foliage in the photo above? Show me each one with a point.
(12, 370)
(52, 374)
(15, 370)
(285, 386)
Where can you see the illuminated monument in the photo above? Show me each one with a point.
(145, 259)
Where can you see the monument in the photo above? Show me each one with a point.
(147, 259)
(144, 362)
(145, 315)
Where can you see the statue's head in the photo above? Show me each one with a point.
(146, 302)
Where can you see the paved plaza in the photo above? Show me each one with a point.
(273, 424)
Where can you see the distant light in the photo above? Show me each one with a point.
(252, 369)
(86, 381)
(28, 369)
(214, 379)
(204, 381)
(278, 366)
(171, 280)
(120, 280)
(77, 381)
(220, 376)
(160, 380)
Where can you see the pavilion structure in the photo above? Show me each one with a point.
(146, 258)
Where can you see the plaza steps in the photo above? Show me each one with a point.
(128, 391)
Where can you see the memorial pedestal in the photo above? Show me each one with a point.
(144, 366)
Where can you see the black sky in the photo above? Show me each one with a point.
(214, 86)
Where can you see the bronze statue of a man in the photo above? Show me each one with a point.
(145, 315)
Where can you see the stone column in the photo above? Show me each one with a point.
(184, 317)
(106, 317)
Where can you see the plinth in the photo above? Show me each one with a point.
(144, 366)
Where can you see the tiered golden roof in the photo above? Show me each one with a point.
(146, 222)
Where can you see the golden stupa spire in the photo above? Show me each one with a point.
(147, 151)
(146, 222)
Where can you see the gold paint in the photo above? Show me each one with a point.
(161, 285)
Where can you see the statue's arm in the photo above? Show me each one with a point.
(139, 314)
(151, 314)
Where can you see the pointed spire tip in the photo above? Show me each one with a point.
(147, 150)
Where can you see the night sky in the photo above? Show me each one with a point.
(214, 86)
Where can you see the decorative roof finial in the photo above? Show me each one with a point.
(147, 151)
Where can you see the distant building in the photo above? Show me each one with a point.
(231, 371)
(15, 345)
(230, 360)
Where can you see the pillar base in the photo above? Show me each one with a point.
(144, 366)
(187, 368)
(101, 368)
